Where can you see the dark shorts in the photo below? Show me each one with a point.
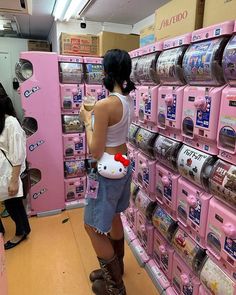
(113, 197)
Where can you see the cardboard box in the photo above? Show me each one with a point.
(82, 45)
(178, 17)
(218, 11)
(147, 35)
(109, 40)
(37, 45)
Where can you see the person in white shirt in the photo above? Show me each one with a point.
(12, 164)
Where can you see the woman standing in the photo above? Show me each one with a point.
(12, 164)
(107, 144)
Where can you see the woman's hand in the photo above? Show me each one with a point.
(13, 187)
(85, 115)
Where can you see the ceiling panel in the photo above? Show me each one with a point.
(122, 11)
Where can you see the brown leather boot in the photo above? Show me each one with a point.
(112, 284)
(118, 246)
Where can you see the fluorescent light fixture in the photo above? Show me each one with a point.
(74, 7)
(60, 9)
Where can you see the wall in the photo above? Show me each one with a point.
(73, 27)
(143, 23)
(14, 46)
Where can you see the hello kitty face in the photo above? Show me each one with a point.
(110, 168)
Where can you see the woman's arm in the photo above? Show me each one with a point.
(14, 181)
(96, 139)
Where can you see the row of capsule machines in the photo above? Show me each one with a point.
(181, 223)
(79, 78)
(52, 90)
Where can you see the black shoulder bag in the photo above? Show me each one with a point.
(24, 176)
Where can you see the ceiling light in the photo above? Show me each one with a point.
(60, 9)
(76, 6)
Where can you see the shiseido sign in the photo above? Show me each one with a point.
(173, 19)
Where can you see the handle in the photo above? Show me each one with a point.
(192, 200)
(143, 165)
(185, 279)
(76, 139)
(74, 91)
(162, 249)
(169, 100)
(165, 181)
(229, 230)
(200, 104)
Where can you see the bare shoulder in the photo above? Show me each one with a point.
(101, 104)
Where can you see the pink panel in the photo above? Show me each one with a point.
(41, 100)
(193, 205)
(200, 117)
(163, 254)
(75, 188)
(226, 138)
(74, 145)
(183, 280)
(166, 188)
(97, 91)
(169, 115)
(221, 235)
(147, 106)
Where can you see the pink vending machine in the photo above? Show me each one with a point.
(203, 72)
(3, 276)
(148, 91)
(215, 281)
(163, 254)
(145, 168)
(166, 188)
(74, 139)
(132, 155)
(71, 82)
(192, 210)
(221, 235)
(38, 72)
(183, 279)
(134, 54)
(170, 94)
(93, 70)
(226, 140)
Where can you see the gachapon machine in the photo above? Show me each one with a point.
(192, 254)
(40, 97)
(221, 236)
(145, 204)
(215, 281)
(164, 223)
(145, 233)
(222, 182)
(145, 140)
(192, 210)
(134, 54)
(71, 78)
(148, 91)
(166, 188)
(163, 254)
(132, 155)
(226, 138)
(93, 76)
(166, 151)
(133, 129)
(75, 189)
(145, 172)
(195, 165)
(183, 279)
(170, 94)
(203, 72)
(74, 145)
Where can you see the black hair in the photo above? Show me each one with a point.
(6, 108)
(117, 68)
(2, 90)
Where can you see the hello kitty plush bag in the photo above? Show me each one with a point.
(113, 166)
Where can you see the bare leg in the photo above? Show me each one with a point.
(117, 231)
(101, 244)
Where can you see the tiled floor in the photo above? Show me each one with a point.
(57, 259)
